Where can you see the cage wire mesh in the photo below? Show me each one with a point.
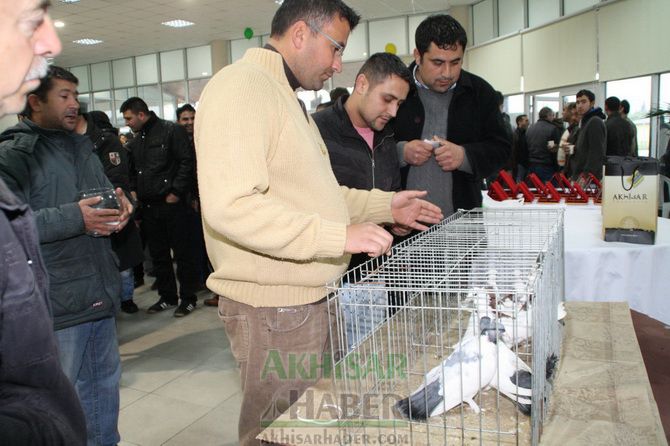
(408, 331)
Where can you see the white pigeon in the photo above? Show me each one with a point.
(457, 379)
(514, 378)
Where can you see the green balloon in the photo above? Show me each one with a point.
(248, 33)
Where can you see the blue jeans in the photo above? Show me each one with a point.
(89, 355)
(127, 284)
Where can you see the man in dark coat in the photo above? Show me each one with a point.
(161, 179)
(47, 165)
(591, 138)
(450, 132)
(619, 131)
(114, 158)
(38, 404)
(360, 145)
(543, 138)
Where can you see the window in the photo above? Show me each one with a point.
(482, 16)
(240, 46)
(102, 101)
(357, 44)
(152, 96)
(383, 32)
(199, 60)
(638, 93)
(664, 121)
(571, 6)
(100, 76)
(515, 107)
(172, 66)
(174, 96)
(510, 16)
(82, 75)
(542, 11)
(120, 95)
(146, 69)
(122, 71)
(551, 100)
(195, 88)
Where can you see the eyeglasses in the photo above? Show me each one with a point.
(339, 49)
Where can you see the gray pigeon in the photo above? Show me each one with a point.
(469, 368)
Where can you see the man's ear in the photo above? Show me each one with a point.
(417, 56)
(299, 32)
(35, 103)
(362, 84)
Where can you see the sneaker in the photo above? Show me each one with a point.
(160, 306)
(128, 306)
(184, 309)
(212, 301)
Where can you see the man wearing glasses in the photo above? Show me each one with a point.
(277, 225)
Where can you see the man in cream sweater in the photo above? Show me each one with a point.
(277, 225)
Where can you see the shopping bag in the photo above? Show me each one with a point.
(630, 199)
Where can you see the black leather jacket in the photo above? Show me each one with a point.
(161, 161)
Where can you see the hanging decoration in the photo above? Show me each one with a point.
(391, 48)
(248, 33)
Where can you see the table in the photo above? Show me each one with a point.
(599, 271)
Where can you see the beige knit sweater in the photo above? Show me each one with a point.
(274, 216)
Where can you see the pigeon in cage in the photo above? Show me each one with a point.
(514, 378)
(468, 369)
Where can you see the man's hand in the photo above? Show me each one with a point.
(417, 152)
(171, 198)
(400, 230)
(98, 221)
(408, 210)
(449, 155)
(126, 209)
(368, 238)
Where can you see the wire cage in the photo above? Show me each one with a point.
(465, 314)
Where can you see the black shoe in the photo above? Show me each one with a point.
(128, 306)
(184, 309)
(160, 306)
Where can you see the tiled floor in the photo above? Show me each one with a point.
(180, 384)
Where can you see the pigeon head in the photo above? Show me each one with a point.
(491, 328)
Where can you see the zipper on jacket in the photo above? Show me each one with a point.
(372, 157)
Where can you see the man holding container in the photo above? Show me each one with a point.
(50, 167)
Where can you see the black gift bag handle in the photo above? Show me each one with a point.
(632, 179)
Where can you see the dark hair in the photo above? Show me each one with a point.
(443, 30)
(545, 112)
(588, 93)
(46, 84)
(184, 108)
(520, 118)
(612, 104)
(571, 105)
(337, 92)
(626, 106)
(500, 98)
(316, 13)
(381, 66)
(135, 105)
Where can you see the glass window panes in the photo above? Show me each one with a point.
(240, 46)
(413, 24)
(194, 90)
(172, 66)
(482, 13)
(383, 32)
(146, 69)
(152, 96)
(542, 11)
(199, 60)
(570, 6)
(82, 74)
(638, 93)
(264, 39)
(100, 76)
(515, 104)
(120, 95)
(664, 121)
(84, 102)
(510, 16)
(122, 71)
(174, 95)
(357, 44)
(102, 101)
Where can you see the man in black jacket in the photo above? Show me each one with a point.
(591, 138)
(46, 164)
(449, 131)
(161, 179)
(543, 138)
(38, 404)
(619, 131)
(360, 145)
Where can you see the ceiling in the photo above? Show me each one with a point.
(133, 27)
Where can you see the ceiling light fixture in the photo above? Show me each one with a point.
(178, 23)
(87, 41)
(279, 2)
(59, 24)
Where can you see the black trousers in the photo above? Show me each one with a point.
(169, 232)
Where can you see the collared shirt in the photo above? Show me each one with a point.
(420, 84)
